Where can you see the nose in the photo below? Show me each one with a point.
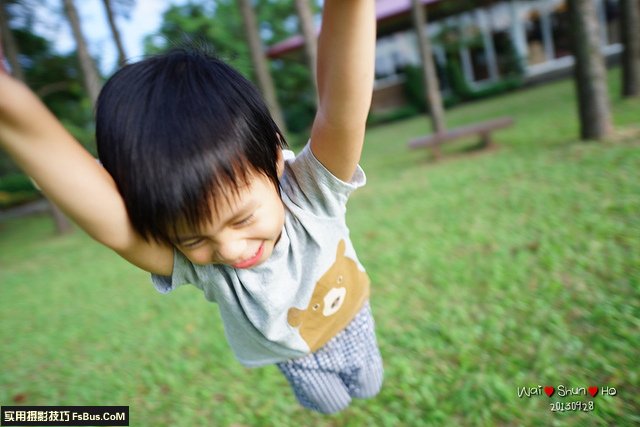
(232, 251)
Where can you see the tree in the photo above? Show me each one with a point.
(108, 7)
(87, 65)
(261, 67)
(193, 22)
(52, 76)
(293, 76)
(221, 29)
(630, 17)
(434, 99)
(10, 46)
(305, 16)
(589, 71)
(62, 224)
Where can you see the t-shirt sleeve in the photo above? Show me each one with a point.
(313, 188)
(184, 272)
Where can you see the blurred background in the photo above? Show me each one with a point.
(503, 249)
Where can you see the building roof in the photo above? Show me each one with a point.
(385, 9)
(390, 8)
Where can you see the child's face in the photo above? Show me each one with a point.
(243, 230)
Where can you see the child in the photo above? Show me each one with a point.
(196, 189)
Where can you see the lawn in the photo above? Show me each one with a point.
(492, 271)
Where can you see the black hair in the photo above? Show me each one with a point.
(178, 130)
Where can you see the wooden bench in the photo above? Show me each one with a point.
(483, 129)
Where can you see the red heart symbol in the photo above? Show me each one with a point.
(549, 390)
(593, 390)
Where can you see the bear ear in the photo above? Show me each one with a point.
(294, 317)
(341, 249)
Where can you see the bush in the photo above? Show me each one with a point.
(399, 113)
(460, 90)
(416, 91)
(16, 189)
(465, 92)
(16, 182)
(8, 200)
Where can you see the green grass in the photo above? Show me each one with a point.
(494, 270)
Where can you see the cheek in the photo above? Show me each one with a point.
(278, 209)
(201, 256)
(277, 222)
(272, 219)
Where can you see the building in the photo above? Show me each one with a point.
(484, 36)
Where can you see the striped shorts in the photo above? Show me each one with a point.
(348, 366)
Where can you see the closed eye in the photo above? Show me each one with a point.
(192, 243)
(245, 221)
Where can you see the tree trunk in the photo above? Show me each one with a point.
(589, 71)
(305, 15)
(261, 67)
(9, 42)
(63, 225)
(630, 29)
(431, 84)
(122, 57)
(61, 222)
(88, 67)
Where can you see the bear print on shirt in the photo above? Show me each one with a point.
(337, 297)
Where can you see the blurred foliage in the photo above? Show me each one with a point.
(16, 188)
(15, 182)
(52, 76)
(399, 113)
(416, 91)
(219, 27)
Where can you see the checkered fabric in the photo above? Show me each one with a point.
(348, 366)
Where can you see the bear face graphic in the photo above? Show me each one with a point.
(337, 297)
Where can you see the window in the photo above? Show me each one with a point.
(560, 31)
(535, 41)
(612, 17)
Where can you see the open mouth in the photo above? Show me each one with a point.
(251, 261)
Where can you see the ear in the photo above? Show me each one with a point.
(280, 163)
(341, 249)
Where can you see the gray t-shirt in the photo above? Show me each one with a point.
(310, 287)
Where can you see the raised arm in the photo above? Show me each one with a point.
(346, 58)
(70, 176)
